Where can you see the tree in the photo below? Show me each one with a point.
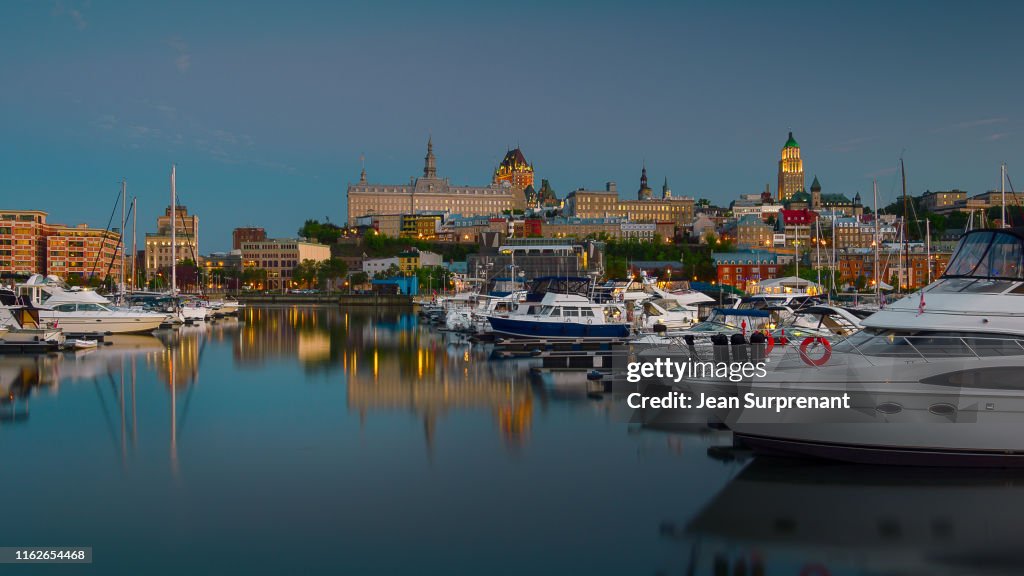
(255, 278)
(305, 272)
(616, 267)
(326, 233)
(330, 270)
(359, 278)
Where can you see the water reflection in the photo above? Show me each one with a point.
(792, 517)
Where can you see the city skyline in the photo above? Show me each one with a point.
(268, 122)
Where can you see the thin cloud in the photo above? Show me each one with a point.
(850, 145)
(105, 122)
(880, 173)
(76, 16)
(996, 136)
(973, 124)
(183, 59)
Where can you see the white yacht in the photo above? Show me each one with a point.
(78, 311)
(935, 378)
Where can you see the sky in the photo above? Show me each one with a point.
(268, 107)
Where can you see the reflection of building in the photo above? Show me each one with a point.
(791, 170)
(431, 383)
(158, 244)
(430, 194)
(279, 257)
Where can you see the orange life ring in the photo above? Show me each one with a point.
(824, 357)
(815, 570)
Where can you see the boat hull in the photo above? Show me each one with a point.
(516, 328)
(73, 323)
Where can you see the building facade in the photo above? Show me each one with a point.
(83, 252)
(30, 245)
(158, 244)
(279, 257)
(431, 194)
(23, 242)
(607, 204)
(791, 170)
(246, 234)
(744, 269)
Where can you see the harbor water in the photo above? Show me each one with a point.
(319, 440)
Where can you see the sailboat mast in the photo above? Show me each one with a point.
(834, 261)
(124, 187)
(928, 247)
(174, 244)
(905, 230)
(878, 286)
(1002, 191)
(135, 260)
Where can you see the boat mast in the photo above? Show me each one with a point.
(834, 261)
(135, 260)
(928, 247)
(904, 229)
(878, 286)
(817, 232)
(1002, 192)
(174, 246)
(121, 291)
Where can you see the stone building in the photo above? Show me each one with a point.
(432, 194)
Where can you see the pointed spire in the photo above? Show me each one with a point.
(430, 163)
(815, 185)
(666, 193)
(362, 176)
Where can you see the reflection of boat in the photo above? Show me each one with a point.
(863, 519)
(951, 354)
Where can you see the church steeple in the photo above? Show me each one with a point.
(644, 193)
(430, 163)
(666, 192)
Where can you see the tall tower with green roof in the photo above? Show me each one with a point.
(791, 170)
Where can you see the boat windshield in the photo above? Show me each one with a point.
(930, 344)
(990, 254)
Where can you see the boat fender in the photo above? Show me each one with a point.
(824, 357)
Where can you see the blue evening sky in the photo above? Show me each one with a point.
(266, 107)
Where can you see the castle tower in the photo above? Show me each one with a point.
(791, 170)
(515, 170)
(645, 192)
(666, 192)
(430, 163)
(815, 194)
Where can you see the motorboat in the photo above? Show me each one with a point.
(565, 316)
(25, 332)
(82, 311)
(932, 379)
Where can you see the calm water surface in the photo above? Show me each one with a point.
(317, 440)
